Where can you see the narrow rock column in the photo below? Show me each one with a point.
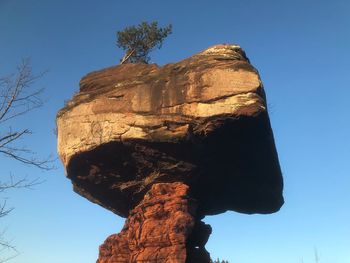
(162, 228)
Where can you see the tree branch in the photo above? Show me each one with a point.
(18, 97)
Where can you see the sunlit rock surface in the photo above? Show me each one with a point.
(201, 122)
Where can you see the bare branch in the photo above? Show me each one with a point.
(6, 245)
(43, 164)
(18, 96)
(11, 137)
(4, 211)
(13, 183)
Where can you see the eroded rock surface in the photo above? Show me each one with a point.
(158, 229)
(201, 122)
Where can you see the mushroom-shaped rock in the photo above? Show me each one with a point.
(201, 122)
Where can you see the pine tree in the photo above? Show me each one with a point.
(139, 41)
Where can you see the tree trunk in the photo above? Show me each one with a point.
(127, 56)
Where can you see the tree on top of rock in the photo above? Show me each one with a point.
(138, 41)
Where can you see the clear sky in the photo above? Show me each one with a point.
(301, 49)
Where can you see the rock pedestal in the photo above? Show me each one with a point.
(160, 229)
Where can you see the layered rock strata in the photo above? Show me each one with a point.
(201, 122)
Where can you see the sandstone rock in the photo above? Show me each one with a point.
(202, 121)
(157, 229)
(165, 146)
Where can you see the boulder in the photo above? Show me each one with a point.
(201, 123)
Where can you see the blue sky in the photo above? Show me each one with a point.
(301, 49)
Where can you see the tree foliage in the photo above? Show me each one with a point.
(139, 41)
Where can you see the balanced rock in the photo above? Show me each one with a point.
(201, 122)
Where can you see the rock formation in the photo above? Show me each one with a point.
(143, 240)
(165, 146)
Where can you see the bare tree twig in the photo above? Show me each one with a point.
(18, 96)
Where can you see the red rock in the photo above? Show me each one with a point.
(158, 230)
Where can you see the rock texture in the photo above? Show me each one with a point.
(143, 240)
(201, 122)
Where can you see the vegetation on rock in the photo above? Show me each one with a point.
(138, 41)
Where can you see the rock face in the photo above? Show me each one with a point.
(143, 240)
(201, 122)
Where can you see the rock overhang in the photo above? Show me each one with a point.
(202, 121)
